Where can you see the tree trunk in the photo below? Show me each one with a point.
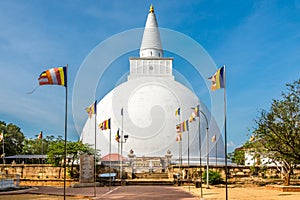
(287, 171)
(59, 172)
(286, 178)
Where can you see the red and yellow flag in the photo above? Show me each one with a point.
(217, 79)
(54, 76)
(105, 125)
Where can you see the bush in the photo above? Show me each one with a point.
(214, 177)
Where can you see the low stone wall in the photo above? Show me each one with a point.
(233, 171)
(283, 188)
(33, 171)
(37, 174)
(47, 182)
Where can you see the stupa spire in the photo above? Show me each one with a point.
(151, 43)
(151, 10)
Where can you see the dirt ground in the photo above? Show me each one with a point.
(242, 193)
(245, 192)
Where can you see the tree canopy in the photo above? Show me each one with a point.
(277, 131)
(13, 139)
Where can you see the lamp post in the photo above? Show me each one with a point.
(122, 141)
(207, 149)
(3, 152)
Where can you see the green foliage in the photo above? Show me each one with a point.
(213, 178)
(278, 130)
(37, 146)
(56, 151)
(238, 156)
(13, 139)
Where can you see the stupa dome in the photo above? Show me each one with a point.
(144, 107)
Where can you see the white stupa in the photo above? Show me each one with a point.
(149, 99)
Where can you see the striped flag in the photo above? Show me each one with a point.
(177, 112)
(92, 109)
(217, 79)
(54, 76)
(40, 136)
(182, 127)
(179, 137)
(214, 138)
(194, 114)
(105, 125)
(118, 135)
(178, 128)
(185, 126)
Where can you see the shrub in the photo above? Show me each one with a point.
(214, 177)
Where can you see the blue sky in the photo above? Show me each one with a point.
(259, 41)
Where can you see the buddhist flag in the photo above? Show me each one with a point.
(178, 128)
(1, 137)
(54, 76)
(185, 126)
(40, 136)
(214, 138)
(194, 114)
(92, 109)
(217, 79)
(182, 127)
(177, 112)
(118, 135)
(179, 137)
(105, 125)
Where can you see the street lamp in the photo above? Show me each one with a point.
(125, 137)
(3, 152)
(207, 149)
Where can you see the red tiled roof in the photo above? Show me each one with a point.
(113, 157)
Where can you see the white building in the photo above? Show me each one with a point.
(149, 99)
(258, 159)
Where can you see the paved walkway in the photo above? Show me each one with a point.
(124, 192)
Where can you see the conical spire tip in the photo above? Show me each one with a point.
(151, 9)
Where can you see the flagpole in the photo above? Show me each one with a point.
(180, 143)
(122, 112)
(3, 152)
(110, 158)
(201, 192)
(188, 174)
(119, 153)
(95, 160)
(216, 152)
(66, 122)
(42, 156)
(225, 132)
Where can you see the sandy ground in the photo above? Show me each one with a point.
(37, 197)
(242, 193)
(248, 192)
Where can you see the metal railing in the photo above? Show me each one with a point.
(9, 181)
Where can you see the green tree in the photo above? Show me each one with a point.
(277, 133)
(37, 146)
(74, 150)
(214, 178)
(238, 156)
(13, 139)
(56, 152)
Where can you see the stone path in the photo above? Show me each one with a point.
(124, 193)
